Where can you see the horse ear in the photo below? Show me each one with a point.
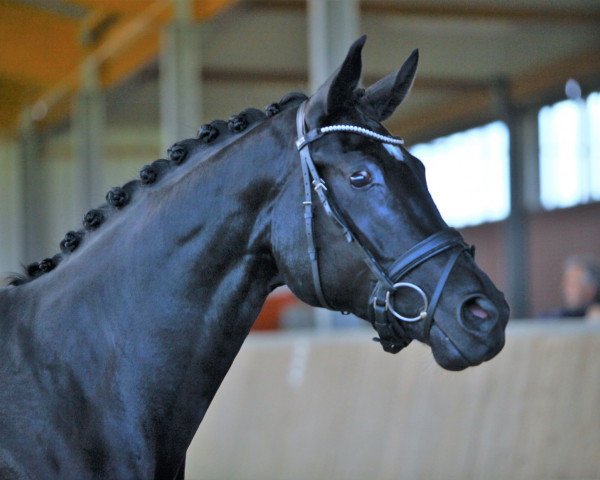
(346, 78)
(385, 95)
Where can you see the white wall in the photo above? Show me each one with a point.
(335, 406)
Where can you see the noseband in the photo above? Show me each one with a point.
(383, 314)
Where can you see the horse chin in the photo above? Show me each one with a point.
(446, 353)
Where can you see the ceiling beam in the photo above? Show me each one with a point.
(253, 75)
(584, 67)
(127, 48)
(13, 96)
(141, 51)
(472, 11)
(206, 9)
(528, 89)
(443, 118)
(131, 41)
(202, 8)
(59, 7)
(117, 40)
(122, 7)
(479, 12)
(259, 76)
(27, 35)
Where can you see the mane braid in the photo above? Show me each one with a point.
(117, 198)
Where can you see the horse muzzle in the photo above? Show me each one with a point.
(389, 311)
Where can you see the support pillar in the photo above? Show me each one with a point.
(180, 85)
(332, 27)
(89, 131)
(517, 231)
(30, 147)
(12, 211)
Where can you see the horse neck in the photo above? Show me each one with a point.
(179, 277)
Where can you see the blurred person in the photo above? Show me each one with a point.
(580, 289)
(593, 313)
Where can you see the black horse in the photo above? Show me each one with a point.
(111, 351)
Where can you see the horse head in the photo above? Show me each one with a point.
(367, 237)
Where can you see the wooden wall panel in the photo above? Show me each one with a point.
(553, 237)
(337, 407)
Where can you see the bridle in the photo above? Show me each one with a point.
(382, 312)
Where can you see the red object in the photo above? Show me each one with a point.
(275, 305)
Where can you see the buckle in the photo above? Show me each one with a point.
(318, 184)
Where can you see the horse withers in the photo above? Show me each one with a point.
(112, 350)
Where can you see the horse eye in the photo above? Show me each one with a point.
(360, 179)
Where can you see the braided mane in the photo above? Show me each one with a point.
(117, 198)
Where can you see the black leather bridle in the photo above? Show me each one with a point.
(383, 315)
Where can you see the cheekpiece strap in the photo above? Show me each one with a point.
(309, 171)
(308, 213)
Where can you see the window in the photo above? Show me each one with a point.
(468, 174)
(570, 152)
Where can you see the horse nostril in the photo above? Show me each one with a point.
(478, 309)
(472, 305)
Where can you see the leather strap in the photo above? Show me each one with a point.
(433, 245)
(392, 335)
(424, 250)
(435, 298)
(310, 239)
